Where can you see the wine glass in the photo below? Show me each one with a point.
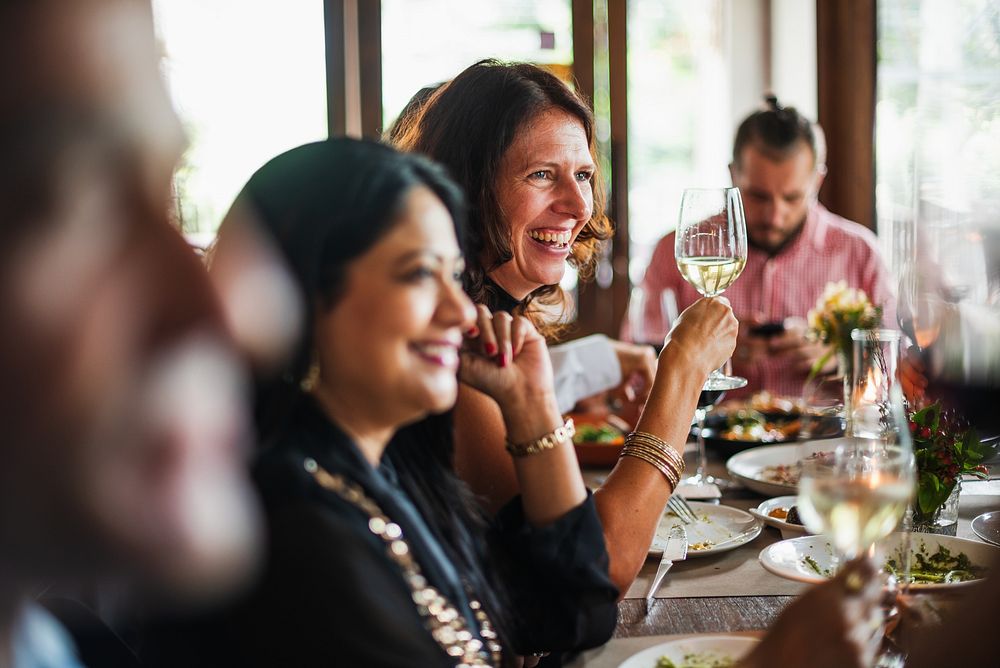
(711, 250)
(856, 493)
(856, 489)
(706, 400)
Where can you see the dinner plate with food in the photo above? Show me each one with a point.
(938, 562)
(699, 651)
(718, 529)
(773, 470)
(782, 514)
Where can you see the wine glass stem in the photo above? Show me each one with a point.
(702, 463)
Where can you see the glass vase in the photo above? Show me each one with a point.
(874, 373)
(943, 519)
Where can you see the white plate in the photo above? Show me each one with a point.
(727, 528)
(748, 466)
(787, 530)
(987, 527)
(787, 558)
(703, 646)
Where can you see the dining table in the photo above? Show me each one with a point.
(731, 592)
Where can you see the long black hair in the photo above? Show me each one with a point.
(324, 205)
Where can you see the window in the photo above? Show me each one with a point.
(249, 81)
(426, 42)
(679, 114)
(937, 133)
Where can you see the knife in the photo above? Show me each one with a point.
(676, 549)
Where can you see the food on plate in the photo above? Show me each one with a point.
(778, 513)
(752, 425)
(793, 516)
(787, 474)
(813, 565)
(782, 474)
(697, 660)
(940, 567)
(765, 402)
(703, 545)
(599, 433)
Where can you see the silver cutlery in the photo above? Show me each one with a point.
(675, 550)
(680, 507)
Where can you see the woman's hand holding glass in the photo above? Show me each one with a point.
(711, 250)
(705, 334)
(832, 625)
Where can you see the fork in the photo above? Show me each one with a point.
(679, 505)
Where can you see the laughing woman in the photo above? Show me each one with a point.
(522, 145)
(379, 560)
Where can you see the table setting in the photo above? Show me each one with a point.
(783, 490)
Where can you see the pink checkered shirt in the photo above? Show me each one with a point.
(829, 248)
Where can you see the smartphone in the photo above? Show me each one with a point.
(768, 329)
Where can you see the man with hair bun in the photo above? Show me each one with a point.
(796, 246)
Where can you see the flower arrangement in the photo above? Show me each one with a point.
(946, 447)
(838, 312)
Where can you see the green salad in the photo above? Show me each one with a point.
(940, 567)
(588, 433)
(701, 660)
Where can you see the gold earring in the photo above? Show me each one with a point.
(311, 379)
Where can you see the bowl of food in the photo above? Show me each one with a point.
(736, 430)
(782, 514)
(765, 418)
(599, 438)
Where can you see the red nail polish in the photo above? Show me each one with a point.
(472, 331)
(491, 349)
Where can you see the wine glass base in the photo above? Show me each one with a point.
(720, 382)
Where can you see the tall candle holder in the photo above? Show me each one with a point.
(875, 365)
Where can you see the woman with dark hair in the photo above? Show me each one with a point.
(382, 559)
(522, 145)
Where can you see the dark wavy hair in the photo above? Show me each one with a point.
(324, 205)
(467, 125)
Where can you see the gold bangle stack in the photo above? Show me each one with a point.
(656, 452)
(546, 442)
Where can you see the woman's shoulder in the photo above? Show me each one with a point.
(280, 475)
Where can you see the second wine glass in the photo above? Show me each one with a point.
(711, 251)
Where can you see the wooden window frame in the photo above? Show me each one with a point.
(846, 64)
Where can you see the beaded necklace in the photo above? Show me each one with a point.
(446, 624)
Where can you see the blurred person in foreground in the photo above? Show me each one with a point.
(796, 247)
(121, 398)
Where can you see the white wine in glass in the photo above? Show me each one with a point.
(711, 251)
(710, 275)
(856, 495)
(855, 490)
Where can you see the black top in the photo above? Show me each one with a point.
(499, 299)
(331, 596)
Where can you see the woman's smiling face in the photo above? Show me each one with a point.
(546, 197)
(391, 341)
